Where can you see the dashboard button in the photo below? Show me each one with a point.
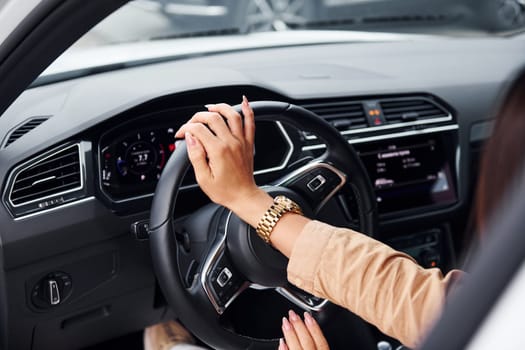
(140, 230)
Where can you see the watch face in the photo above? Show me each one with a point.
(287, 203)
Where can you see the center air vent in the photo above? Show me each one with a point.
(405, 110)
(342, 115)
(379, 118)
(52, 180)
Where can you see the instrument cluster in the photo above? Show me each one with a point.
(132, 156)
(131, 164)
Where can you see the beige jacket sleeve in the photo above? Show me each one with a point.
(381, 285)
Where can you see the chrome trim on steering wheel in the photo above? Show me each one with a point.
(217, 251)
(285, 292)
(309, 167)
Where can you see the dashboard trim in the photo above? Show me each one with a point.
(286, 158)
(447, 118)
(389, 136)
(46, 211)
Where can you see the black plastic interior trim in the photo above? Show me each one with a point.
(493, 268)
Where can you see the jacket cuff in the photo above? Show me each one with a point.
(307, 254)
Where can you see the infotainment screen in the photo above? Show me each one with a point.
(409, 173)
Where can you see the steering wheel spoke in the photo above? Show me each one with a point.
(220, 280)
(304, 300)
(317, 181)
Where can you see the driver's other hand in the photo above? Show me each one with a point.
(299, 335)
(220, 149)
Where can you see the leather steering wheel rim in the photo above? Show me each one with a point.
(197, 314)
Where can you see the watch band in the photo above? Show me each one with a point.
(280, 206)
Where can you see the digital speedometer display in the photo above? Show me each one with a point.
(132, 156)
(132, 164)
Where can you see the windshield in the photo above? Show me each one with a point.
(148, 31)
(148, 20)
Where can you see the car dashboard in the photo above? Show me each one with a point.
(81, 158)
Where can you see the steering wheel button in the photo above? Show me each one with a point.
(224, 277)
(316, 183)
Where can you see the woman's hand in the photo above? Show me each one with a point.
(220, 148)
(299, 335)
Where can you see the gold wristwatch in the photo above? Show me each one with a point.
(281, 205)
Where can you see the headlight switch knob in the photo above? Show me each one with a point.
(52, 290)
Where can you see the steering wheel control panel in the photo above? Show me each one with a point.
(225, 283)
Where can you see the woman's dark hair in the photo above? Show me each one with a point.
(504, 154)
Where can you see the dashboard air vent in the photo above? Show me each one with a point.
(51, 176)
(342, 115)
(414, 18)
(23, 129)
(404, 110)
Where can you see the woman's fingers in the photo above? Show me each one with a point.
(315, 332)
(197, 156)
(282, 345)
(232, 117)
(305, 339)
(232, 124)
(213, 120)
(290, 336)
(222, 160)
(202, 133)
(301, 335)
(249, 121)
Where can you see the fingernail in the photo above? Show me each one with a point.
(189, 139)
(208, 106)
(308, 319)
(282, 344)
(286, 325)
(244, 100)
(293, 316)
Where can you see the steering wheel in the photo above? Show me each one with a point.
(204, 266)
